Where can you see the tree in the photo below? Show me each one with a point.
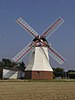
(21, 66)
(6, 62)
(1, 65)
(58, 72)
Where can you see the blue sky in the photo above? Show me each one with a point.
(39, 14)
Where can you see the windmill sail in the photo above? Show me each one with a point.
(52, 27)
(39, 39)
(23, 52)
(25, 26)
(55, 55)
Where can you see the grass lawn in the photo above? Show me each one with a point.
(22, 90)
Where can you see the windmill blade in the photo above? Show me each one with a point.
(26, 27)
(23, 52)
(52, 27)
(55, 55)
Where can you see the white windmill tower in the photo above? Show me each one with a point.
(39, 65)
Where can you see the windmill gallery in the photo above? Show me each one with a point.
(39, 66)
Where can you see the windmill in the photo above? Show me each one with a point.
(39, 66)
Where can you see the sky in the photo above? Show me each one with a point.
(39, 14)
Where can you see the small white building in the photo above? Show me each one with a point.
(13, 74)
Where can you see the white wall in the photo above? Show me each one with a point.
(11, 74)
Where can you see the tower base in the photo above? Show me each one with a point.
(39, 75)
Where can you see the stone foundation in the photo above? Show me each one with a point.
(39, 75)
